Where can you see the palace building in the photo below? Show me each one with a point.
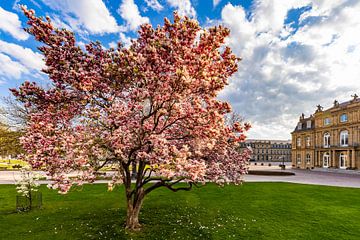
(328, 138)
(268, 150)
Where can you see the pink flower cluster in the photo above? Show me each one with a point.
(152, 104)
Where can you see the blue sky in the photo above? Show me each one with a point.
(296, 53)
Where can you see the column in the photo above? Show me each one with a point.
(348, 160)
(352, 159)
(332, 158)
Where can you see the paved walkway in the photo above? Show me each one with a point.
(301, 176)
(312, 177)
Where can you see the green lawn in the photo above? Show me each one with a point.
(250, 211)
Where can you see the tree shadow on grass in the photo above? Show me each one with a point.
(160, 222)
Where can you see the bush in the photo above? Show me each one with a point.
(262, 164)
(16, 166)
(269, 164)
(270, 173)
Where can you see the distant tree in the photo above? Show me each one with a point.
(9, 141)
(13, 113)
(152, 105)
(13, 118)
(232, 118)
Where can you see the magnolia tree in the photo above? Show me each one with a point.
(151, 106)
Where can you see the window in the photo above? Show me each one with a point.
(342, 162)
(308, 158)
(327, 121)
(327, 139)
(343, 117)
(308, 124)
(299, 126)
(298, 159)
(298, 142)
(344, 138)
(326, 160)
(308, 141)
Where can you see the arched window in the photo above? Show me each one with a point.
(326, 160)
(344, 138)
(327, 139)
(342, 160)
(308, 158)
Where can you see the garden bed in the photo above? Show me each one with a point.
(270, 173)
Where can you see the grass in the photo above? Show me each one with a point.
(251, 211)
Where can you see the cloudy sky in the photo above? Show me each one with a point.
(296, 53)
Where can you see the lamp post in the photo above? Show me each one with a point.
(283, 163)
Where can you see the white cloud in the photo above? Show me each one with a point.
(89, 14)
(155, 5)
(286, 72)
(125, 40)
(183, 7)
(58, 23)
(129, 11)
(10, 68)
(216, 2)
(113, 45)
(10, 23)
(25, 56)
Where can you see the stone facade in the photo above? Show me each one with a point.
(269, 150)
(328, 138)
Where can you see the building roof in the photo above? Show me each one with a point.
(337, 105)
(344, 104)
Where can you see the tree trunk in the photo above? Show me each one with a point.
(134, 205)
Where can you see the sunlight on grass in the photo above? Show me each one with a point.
(251, 211)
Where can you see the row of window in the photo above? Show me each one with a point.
(308, 158)
(344, 140)
(327, 121)
(308, 124)
(267, 158)
(280, 146)
(343, 118)
(272, 151)
(326, 160)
